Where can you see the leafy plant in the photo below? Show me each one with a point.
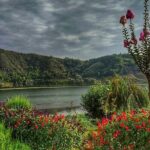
(117, 94)
(122, 131)
(43, 131)
(6, 142)
(19, 102)
(93, 100)
(124, 94)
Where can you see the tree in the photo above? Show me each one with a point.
(139, 49)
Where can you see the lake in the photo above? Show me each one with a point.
(54, 99)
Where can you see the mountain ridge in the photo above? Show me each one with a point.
(19, 69)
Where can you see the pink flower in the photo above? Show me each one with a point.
(123, 20)
(144, 34)
(133, 41)
(126, 43)
(130, 14)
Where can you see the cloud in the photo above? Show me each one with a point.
(73, 28)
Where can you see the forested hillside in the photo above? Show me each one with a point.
(17, 69)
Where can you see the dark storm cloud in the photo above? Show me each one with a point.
(73, 28)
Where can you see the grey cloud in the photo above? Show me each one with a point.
(74, 28)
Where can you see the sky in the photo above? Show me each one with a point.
(81, 29)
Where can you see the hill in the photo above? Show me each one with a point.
(18, 70)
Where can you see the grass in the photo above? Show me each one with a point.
(19, 102)
(6, 143)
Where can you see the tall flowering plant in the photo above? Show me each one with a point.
(139, 49)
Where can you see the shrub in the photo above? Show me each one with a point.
(122, 131)
(93, 100)
(124, 95)
(43, 131)
(117, 94)
(6, 142)
(19, 102)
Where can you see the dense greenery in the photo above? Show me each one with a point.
(17, 70)
(125, 130)
(19, 102)
(117, 94)
(43, 131)
(6, 142)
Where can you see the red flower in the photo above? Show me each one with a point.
(99, 125)
(148, 129)
(56, 118)
(62, 116)
(42, 125)
(126, 43)
(144, 112)
(129, 14)
(123, 20)
(36, 126)
(138, 127)
(122, 125)
(123, 116)
(116, 133)
(102, 141)
(46, 119)
(143, 124)
(127, 128)
(105, 121)
(132, 113)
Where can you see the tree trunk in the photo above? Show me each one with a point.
(148, 79)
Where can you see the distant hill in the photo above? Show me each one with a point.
(17, 69)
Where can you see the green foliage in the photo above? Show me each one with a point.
(123, 131)
(19, 102)
(36, 70)
(42, 131)
(116, 94)
(6, 143)
(124, 95)
(93, 100)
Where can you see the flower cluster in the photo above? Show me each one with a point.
(30, 125)
(122, 131)
(138, 48)
(123, 20)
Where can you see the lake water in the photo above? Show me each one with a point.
(57, 99)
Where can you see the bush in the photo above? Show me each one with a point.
(19, 102)
(122, 131)
(117, 94)
(93, 100)
(42, 131)
(6, 142)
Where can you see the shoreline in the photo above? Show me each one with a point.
(45, 87)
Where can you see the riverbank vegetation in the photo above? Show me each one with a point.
(117, 94)
(101, 128)
(118, 110)
(31, 70)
